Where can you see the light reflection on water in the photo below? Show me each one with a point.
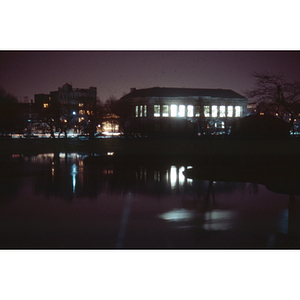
(167, 209)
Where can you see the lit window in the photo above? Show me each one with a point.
(141, 110)
(80, 119)
(190, 110)
(136, 111)
(222, 111)
(173, 110)
(237, 111)
(206, 111)
(81, 112)
(181, 111)
(145, 110)
(197, 111)
(88, 112)
(165, 110)
(156, 110)
(214, 111)
(230, 111)
(222, 125)
(46, 105)
(80, 104)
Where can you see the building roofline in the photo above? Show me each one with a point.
(181, 92)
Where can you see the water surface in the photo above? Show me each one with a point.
(61, 201)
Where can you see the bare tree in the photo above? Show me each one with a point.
(276, 95)
(120, 108)
(8, 112)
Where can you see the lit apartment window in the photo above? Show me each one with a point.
(214, 111)
(206, 111)
(237, 111)
(190, 110)
(145, 110)
(222, 111)
(46, 105)
(81, 112)
(197, 111)
(141, 110)
(136, 111)
(80, 104)
(165, 110)
(156, 110)
(181, 111)
(173, 110)
(230, 111)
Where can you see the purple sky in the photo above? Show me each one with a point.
(115, 72)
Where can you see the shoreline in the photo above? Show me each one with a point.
(223, 146)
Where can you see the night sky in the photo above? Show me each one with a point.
(25, 73)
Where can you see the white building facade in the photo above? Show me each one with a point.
(211, 109)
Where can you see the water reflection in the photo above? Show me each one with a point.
(149, 205)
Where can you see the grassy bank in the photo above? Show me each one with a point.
(163, 147)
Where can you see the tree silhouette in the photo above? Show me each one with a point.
(274, 94)
(8, 112)
(120, 108)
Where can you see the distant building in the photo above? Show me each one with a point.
(174, 110)
(79, 100)
(73, 106)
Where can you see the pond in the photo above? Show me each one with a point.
(70, 201)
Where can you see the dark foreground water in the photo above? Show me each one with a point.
(62, 201)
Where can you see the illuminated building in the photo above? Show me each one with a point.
(70, 105)
(182, 109)
(81, 100)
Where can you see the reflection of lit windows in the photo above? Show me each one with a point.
(157, 176)
(46, 105)
(222, 111)
(136, 111)
(165, 110)
(80, 119)
(141, 110)
(156, 110)
(197, 111)
(181, 111)
(190, 110)
(230, 111)
(173, 176)
(206, 111)
(74, 173)
(88, 112)
(181, 177)
(177, 215)
(237, 111)
(173, 110)
(80, 104)
(145, 110)
(214, 111)
(81, 112)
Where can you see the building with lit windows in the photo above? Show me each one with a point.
(71, 105)
(184, 110)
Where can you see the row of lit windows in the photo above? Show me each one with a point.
(141, 111)
(181, 110)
